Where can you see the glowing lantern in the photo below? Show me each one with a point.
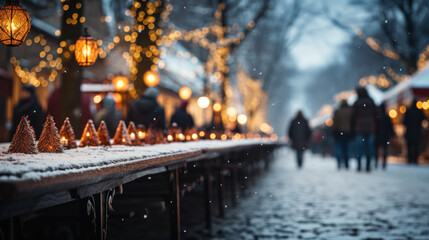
(120, 83)
(212, 136)
(170, 138)
(15, 23)
(151, 79)
(202, 133)
(242, 119)
(86, 50)
(194, 136)
(217, 107)
(185, 93)
(203, 102)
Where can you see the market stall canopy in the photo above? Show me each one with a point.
(6, 82)
(420, 83)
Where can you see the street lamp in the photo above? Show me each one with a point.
(15, 23)
(86, 51)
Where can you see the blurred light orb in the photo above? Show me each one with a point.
(393, 113)
(15, 24)
(86, 50)
(266, 128)
(203, 102)
(185, 93)
(97, 99)
(217, 107)
(242, 119)
(231, 111)
(329, 122)
(151, 79)
(120, 83)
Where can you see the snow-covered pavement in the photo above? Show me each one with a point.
(320, 202)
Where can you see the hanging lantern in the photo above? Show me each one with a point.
(86, 51)
(185, 93)
(151, 79)
(15, 23)
(120, 83)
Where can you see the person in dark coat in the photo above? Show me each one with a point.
(108, 114)
(364, 127)
(183, 119)
(28, 105)
(384, 134)
(299, 133)
(413, 123)
(341, 131)
(147, 111)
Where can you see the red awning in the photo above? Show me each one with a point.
(6, 82)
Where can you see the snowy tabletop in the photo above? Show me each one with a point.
(31, 171)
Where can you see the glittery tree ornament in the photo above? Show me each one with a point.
(103, 134)
(67, 136)
(121, 136)
(132, 131)
(49, 140)
(89, 136)
(24, 140)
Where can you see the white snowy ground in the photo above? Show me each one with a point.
(320, 202)
(18, 166)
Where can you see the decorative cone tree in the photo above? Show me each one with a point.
(67, 137)
(89, 136)
(150, 136)
(49, 140)
(132, 131)
(103, 134)
(24, 140)
(121, 136)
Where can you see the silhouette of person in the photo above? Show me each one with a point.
(384, 134)
(28, 105)
(413, 123)
(108, 114)
(341, 130)
(364, 127)
(299, 133)
(147, 111)
(183, 119)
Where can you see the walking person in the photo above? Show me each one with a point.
(147, 111)
(413, 123)
(341, 130)
(364, 126)
(28, 105)
(183, 119)
(299, 133)
(384, 134)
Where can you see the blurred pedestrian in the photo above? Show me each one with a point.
(147, 111)
(413, 123)
(28, 105)
(341, 130)
(384, 134)
(299, 133)
(364, 126)
(109, 114)
(183, 119)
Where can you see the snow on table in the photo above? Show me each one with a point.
(18, 167)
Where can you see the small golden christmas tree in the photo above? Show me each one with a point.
(121, 136)
(49, 140)
(24, 140)
(67, 136)
(89, 136)
(103, 134)
(132, 131)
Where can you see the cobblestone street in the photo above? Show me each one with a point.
(320, 202)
